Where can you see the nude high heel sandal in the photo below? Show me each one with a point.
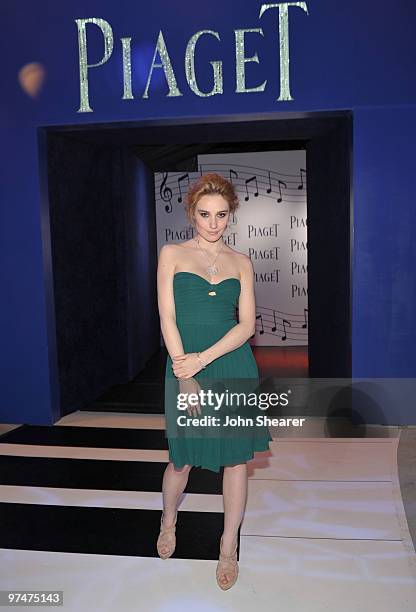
(228, 565)
(167, 539)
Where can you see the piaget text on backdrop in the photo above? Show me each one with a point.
(191, 77)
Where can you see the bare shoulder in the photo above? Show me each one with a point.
(173, 254)
(246, 265)
(242, 262)
(240, 258)
(233, 252)
(169, 250)
(166, 252)
(243, 258)
(168, 256)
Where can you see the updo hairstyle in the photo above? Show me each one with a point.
(207, 184)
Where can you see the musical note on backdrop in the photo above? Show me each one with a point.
(269, 188)
(282, 324)
(182, 178)
(256, 193)
(231, 175)
(282, 187)
(301, 178)
(279, 199)
(261, 321)
(284, 328)
(166, 193)
(274, 321)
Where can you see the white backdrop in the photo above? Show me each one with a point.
(270, 226)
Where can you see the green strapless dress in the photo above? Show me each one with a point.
(202, 320)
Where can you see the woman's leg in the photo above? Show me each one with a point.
(234, 486)
(173, 485)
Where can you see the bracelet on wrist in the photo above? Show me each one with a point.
(200, 361)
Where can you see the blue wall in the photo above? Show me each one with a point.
(343, 55)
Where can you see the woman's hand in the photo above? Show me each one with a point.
(187, 386)
(185, 366)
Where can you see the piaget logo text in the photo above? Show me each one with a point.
(166, 64)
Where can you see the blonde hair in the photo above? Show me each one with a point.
(206, 184)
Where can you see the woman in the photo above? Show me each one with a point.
(200, 282)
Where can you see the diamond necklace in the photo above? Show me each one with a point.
(212, 268)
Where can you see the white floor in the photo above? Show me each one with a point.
(324, 530)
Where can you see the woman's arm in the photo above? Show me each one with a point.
(246, 326)
(166, 301)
